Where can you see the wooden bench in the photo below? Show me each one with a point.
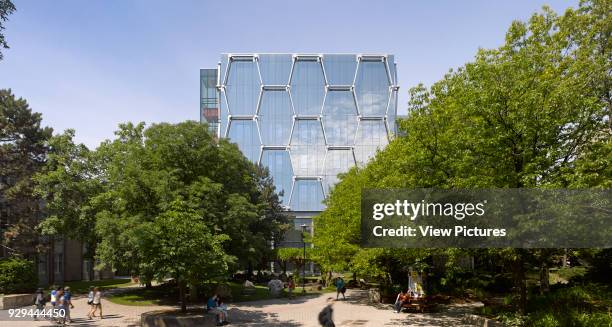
(248, 291)
(420, 304)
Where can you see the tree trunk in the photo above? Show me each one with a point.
(181, 287)
(518, 270)
(193, 292)
(148, 284)
(544, 281)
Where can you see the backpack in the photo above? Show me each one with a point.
(323, 317)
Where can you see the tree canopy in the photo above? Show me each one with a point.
(123, 196)
(6, 8)
(532, 113)
(23, 149)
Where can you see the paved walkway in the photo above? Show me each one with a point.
(302, 312)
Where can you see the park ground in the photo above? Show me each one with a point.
(299, 312)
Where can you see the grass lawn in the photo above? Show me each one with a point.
(161, 295)
(82, 287)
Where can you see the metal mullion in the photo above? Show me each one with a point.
(292, 130)
(292, 189)
(291, 100)
(259, 99)
(256, 61)
(324, 134)
(323, 70)
(385, 62)
(390, 97)
(294, 59)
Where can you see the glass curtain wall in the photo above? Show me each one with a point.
(307, 117)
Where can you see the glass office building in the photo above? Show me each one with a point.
(307, 117)
(209, 100)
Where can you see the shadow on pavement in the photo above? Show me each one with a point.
(277, 301)
(253, 318)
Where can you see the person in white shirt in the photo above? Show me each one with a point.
(96, 303)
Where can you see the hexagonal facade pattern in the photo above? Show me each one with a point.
(307, 117)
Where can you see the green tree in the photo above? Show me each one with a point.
(533, 113)
(66, 183)
(23, 149)
(180, 244)
(144, 171)
(6, 8)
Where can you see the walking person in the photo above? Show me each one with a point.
(61, 307)
(53, 296)
(340, 288)
(39, 300)
(68, 302)
(326, 318)
(291, 286)
(96, 303)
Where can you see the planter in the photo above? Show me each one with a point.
(374, 295)
(172, 318)
(13, 301)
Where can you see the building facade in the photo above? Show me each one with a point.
(307, 117)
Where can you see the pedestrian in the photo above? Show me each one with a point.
(90, 296)
(68, 302)
(291, 286)
(96, 303)
(340, 288)
(61, 307)
(326, 315)
(53, 296)
(402, 298)
(39, 300)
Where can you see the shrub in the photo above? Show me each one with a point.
(17, 276)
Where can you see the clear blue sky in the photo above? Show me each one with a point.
(90, 65)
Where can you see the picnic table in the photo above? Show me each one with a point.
(420, 304)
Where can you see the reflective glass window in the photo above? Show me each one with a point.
(392, 69)
(371, 135)
(275, 117)
(337, 161)
(223, 68)
(340, 68)
(223, 113)
(307, 196)
(307, 87)
(279, 164)
(340, 117)
(391, 113)
(244, 133)
(275, 68)
(307, 148)
(242, 88)
(372, 88)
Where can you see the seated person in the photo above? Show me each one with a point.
(248, 284)
(402, 298)
(275, 286)
(223, 307)
(213, 306)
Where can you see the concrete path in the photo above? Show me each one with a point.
(354, 311)
(302, 312)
